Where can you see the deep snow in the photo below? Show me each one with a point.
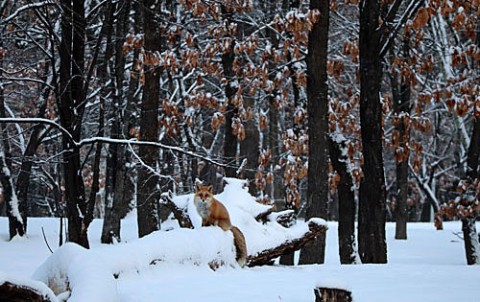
(428, 267)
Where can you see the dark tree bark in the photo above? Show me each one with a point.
(249, 150)
(16, 211)
(16, 214)
(230, 141)
(36, 137)
(317, 93)
(473, 155)
(471, 240)
(470, 235)
(13, 292)
(401, 108)
(71, 106)
(346, 203)
(104, 76)
(327, 294)
(147, 189)
(116, 205)
(372, 203)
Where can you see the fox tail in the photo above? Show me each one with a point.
(240, 246)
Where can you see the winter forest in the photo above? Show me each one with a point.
(365, 113)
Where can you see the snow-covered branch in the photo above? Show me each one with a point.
(26, 7)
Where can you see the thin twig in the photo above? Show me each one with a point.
(46, 242)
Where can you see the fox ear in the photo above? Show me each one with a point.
(210, 188)
(198, 184)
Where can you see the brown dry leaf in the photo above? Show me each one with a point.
(422, 18)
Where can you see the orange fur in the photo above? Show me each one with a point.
(213, 212)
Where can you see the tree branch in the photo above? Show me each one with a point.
(107, 140)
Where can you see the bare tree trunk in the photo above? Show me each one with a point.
(249, 150)
(372, 203)
(71, 104)
(16, 214)
(346, 204)
(473, 155)
(401, 108)
(317, 93)
(115, 206)
(16, 211)
(470, 235)
(147, 185)
(471, 240)
(230, 141)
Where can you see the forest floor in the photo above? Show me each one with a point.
(428, 267)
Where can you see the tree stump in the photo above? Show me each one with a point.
(324, 294)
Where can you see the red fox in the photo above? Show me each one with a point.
(213, 212)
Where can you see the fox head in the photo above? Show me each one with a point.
(204, 192)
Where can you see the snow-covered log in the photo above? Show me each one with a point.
(315, 228)
(180, 214)
(78, 274)
(89, 275)
(15, 289)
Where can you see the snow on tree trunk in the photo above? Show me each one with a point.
(16, 211)
(71, 109)
(16, 216)
(346, 202)
(471, 240)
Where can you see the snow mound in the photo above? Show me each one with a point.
(80, 271)
(202, 247)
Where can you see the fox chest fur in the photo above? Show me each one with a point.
(203, 207)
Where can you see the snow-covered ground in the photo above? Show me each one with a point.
(429, 266)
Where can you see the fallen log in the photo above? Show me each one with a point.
(266, 256)
(180, 214)
(285, 218)
(16, 290)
